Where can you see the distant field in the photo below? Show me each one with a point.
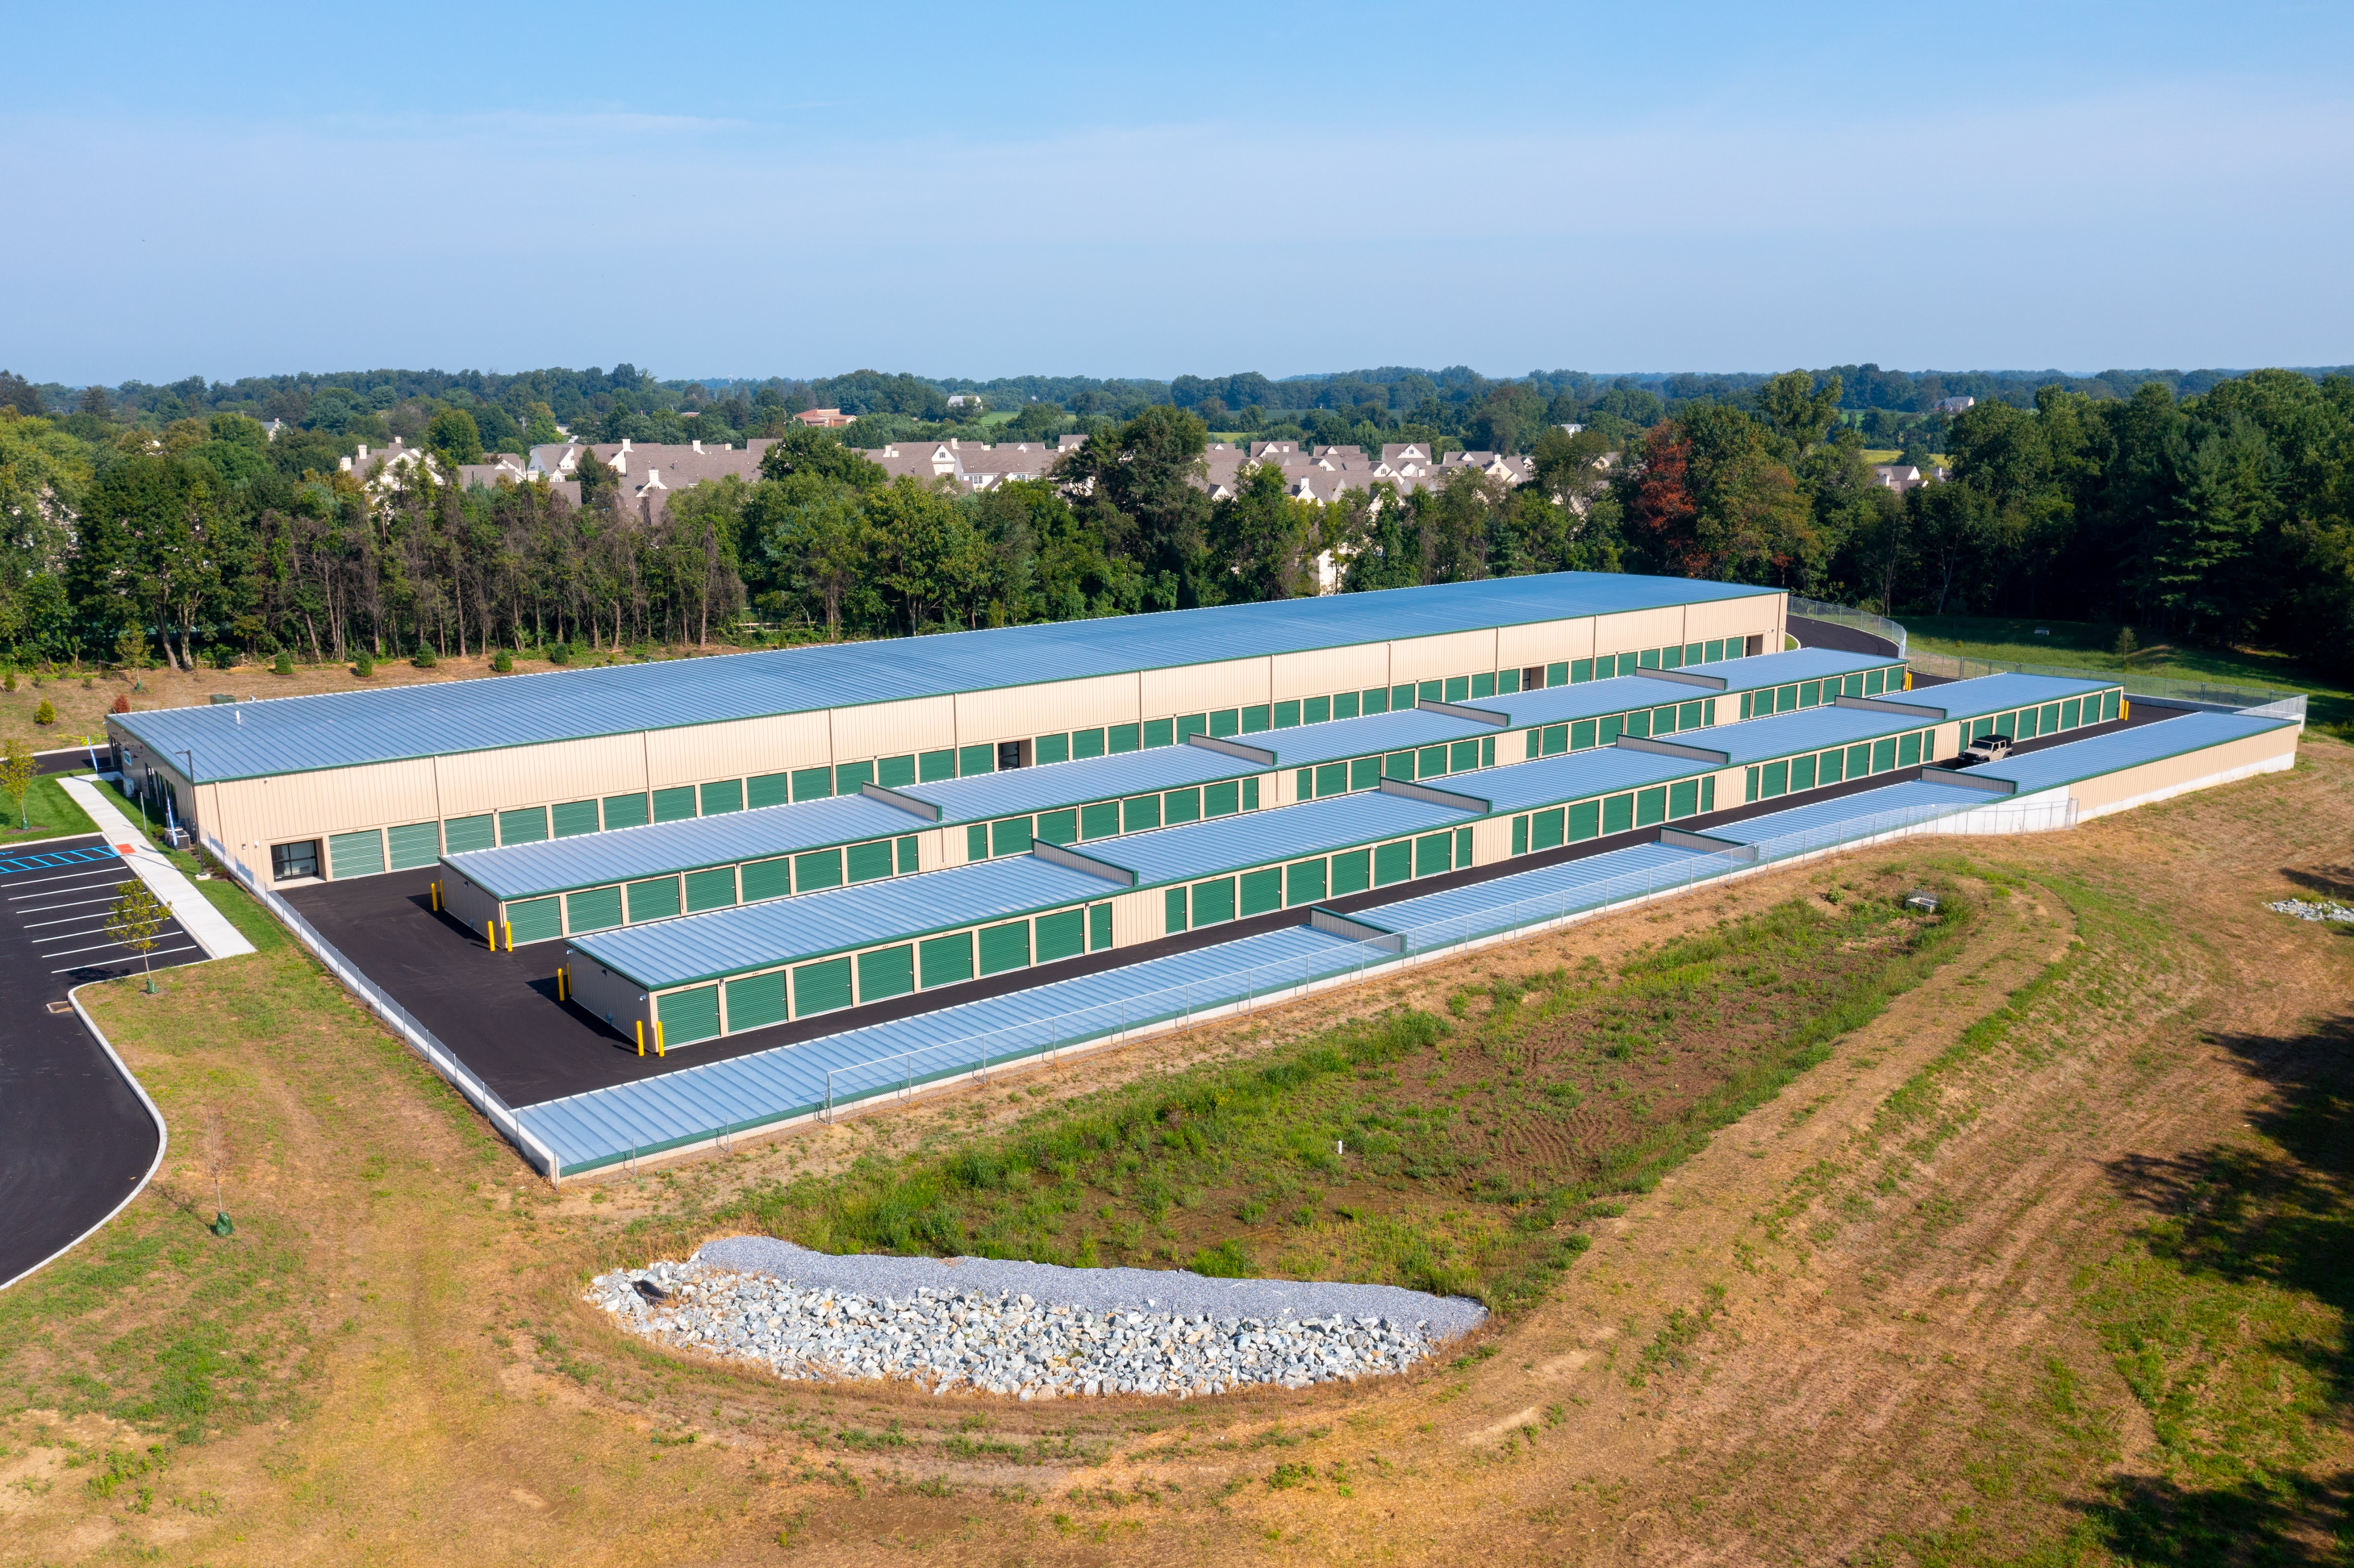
(2092, 643)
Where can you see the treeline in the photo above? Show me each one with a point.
(2227, 515)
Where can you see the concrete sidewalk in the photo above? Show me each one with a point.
(188, 906)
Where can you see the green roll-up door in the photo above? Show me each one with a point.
(1618, 813)
(911, 856)
(1173, 911)
(1802, 773)
(1317, 710)
(976, 841)
(1058, 827)
(821, 987)
(1046, 748)
(1430, 762)
(463, 834)
(1221, 800)
(1834, 768)
(756, 1000)
(817, 870)
(1286, 715)
(1062, 935)
(674, 805)
(1122, 738)
(722, 796)
(2108, 705)
(712, 889)
(1086, 743)
(597, 909)
(574, 818)
(1883, 754)
(1365, 773)
(1773, 780)
(1010, 835)
(355, 854)
(1433, 854)
(896, 772)
(1393, 862)
(1650, 805)
(1683, 798)
(1908, 749)
(1006, 947)
(414, 844)
(1353, 872)
(886, 972)
(869, 862)
(1463, 757)
(625, 812)
(1374, 700)
(972, 759)
(1256, 719)
(1214, 902)
(2069, 712)
(534, 921)
(1100, 820)
(1637, 724)
(688, 1015)
(1139, 813)
(1459, 689)
(849, 777)
(1304, 881)
(1099, 927)
(764, 879)
(1462, 847)
(1581, 735)
(945, 960)
(1556, 739)
(1483, 685)
(1520, 834)
(1859, 761)
(1181, 806)
(656, 899)
(1585, 821)
(767, 789)
(931, 766)
(525, 825)
(1159, 733)
(1347, 704)
(1259, 891)
(812, 783)
(1225, 722)
(1545, 829)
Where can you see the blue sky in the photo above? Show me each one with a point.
(1151, 191)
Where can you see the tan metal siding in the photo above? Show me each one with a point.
(1638, 630)
(531, 774)
(1323, 669)
(1491, 840)
(1019, 711)
(2174, 772)
(1137, 917)
(1731, 617)
(893, 729)
(1456, 653)
(1547, 644)
(1226, 683)
(702, 753)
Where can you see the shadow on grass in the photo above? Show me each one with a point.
(2218, 1333)
(2329, 881)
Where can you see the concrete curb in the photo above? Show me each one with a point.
(163, 1133)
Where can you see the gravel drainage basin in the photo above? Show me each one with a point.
(1030, 1330)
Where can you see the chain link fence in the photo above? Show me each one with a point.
(1863, 620)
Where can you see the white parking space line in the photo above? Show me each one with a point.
(94, 874)
(71, 951)
(69, 904)
(158, 953)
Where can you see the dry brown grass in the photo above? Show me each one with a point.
(1857, 1325)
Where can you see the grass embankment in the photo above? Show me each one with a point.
(2092, 645)
(1458, 1154)
(48, 813)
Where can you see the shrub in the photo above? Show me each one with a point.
(364, 664)
(284, 665)
(502, 662)
(10, 683)
(121, 702)
(425, 659)
(561, 655)
(47, 713)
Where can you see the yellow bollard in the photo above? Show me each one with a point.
(657, 1039)
(642, 1036)
(491, 934)
(1908, 680)
(437, 898)
(2125, 709)
(509, 927)
(559, 983)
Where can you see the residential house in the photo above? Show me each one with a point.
(824, 418)
(1956, 404)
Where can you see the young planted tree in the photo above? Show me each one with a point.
(18, 770)
(135, 920)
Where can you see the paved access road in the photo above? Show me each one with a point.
(74, 1137)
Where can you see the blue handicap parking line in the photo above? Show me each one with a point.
(54, 858)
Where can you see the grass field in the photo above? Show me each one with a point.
(49, 812)
(2020, 1238)
(2091, 644)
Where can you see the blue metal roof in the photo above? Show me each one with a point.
(1791, 664)
(1288, 833)
(1398, 731)
(1859, 815)
(754, 935)
(695, 1103)
(1984, 695)
(1461, 913)
(290, 735)
(2052, 767)
(557, 866)
(1019, 791)
(1808, 729)
(1572, 776)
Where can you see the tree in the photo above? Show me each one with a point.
(1798, 412)
(134, 919)
(802, 449)
(19, 768)
(539, 427)
(1267, 539)
(454, 437)
(813, 541)
(1137, 483)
